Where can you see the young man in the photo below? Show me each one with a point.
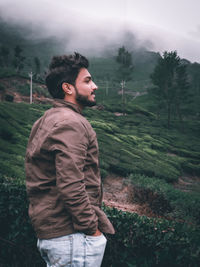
(62, 169)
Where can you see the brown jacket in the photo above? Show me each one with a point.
(62, 175)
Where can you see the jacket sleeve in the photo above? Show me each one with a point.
(69, 144)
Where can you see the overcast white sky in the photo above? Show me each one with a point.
(93, 24)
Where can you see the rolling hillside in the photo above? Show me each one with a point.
(134, 146)
(142, 161)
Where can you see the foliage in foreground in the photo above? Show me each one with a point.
(143, 241)
(139, 241)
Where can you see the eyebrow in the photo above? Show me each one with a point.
(88, 77)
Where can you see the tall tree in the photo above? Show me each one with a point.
(124, 58)
(37, 65)
(4, 56)
(18, 61)
(2, 92)
(194, 76)
(182, 95)
(164, 78)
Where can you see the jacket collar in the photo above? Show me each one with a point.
(63, 103)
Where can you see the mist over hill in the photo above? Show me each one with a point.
(43, 48)
(39, 46)
(34, 44)
(32, 35)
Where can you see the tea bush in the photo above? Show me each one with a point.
(139, 240)
(164, 199)
(142, 241)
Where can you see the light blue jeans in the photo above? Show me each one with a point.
(75, 250)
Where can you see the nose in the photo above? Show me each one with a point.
(94, 86)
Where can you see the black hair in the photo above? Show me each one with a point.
(64, 69)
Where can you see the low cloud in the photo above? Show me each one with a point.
(87, 34)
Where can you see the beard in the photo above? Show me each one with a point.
(83, 100)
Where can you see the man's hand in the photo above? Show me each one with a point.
(97, 233)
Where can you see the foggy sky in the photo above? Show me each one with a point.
(92, 25)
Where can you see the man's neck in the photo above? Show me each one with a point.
(73, 101)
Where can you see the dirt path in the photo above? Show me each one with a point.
(119, 194)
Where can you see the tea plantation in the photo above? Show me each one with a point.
(137, 146)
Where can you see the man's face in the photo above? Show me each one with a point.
(85, 89)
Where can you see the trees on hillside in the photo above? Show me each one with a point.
(124, 58)
(194, 76)
(37, 66)
(171, 84)
(4, 56)
(18, 61)
(14, 60)
(182, 94)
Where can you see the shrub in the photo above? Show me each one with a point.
(2, 88)
(9, 98)
(142, 241)
(165, 200)
(139, 240)
(191, 168)
(17, 239)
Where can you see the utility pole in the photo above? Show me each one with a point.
(106, 88)
(31, 87)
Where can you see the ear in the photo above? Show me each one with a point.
(67, 88)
